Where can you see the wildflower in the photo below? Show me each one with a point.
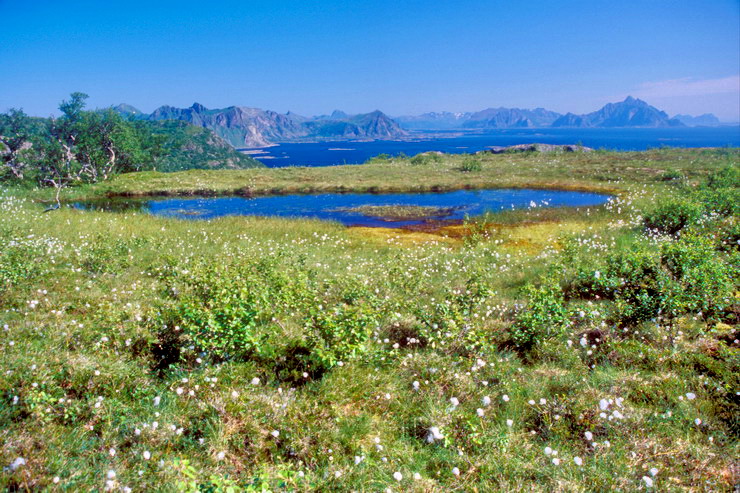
(509, 423)
(480, 412)
(221, 455)
(455, 471)
(691, 396)
(179, 390)
(648, 481)
(434, 434)
(697, 422)
(415, 385)
(55, 480)
(505, 398)
(548, 451)
(18, 462)
(454, 402)
(111, 474)
(653, 471)
(486, 401)
(417, 476)
(156, 400)
(556, 461)
(112, 452)
(397, 476)
(275, 433)
(589, 436)
(578, 461)
(255, 381)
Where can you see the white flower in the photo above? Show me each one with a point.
(275, 433)
(147, 455)
(179, 390)
(653, 471)
(697, 422)
(18, 462)
(548, 451)
(648, 481)
(111, 474)
(55, 480)
(556, 461)
(221, 455)
(691, 396)
(397, 476)
(234, 394)
(415, 385)
(603, 404)
(486, 401)
(480, 412)
(543, 402)
(112, 452)
(509, 422)
(255, 381)
(455, 471)
(156, 400)
(454, 402)
(578, 461)
(434, 434)
(505, 398)
(589, 436)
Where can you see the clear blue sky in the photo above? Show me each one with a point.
(403, 57)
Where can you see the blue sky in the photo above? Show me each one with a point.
(400, 56)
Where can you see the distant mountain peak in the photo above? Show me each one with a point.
(198, 108)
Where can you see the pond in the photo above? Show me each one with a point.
(358, 209)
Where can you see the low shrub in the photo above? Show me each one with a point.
(544, 317)
(672, 216)
(470, 164)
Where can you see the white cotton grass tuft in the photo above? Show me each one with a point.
(434, 434)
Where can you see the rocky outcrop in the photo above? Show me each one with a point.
(536, 148)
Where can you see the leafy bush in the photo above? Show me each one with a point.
(425, 159)
(544, 317)
(672, 216)
(338, 334)
(471, 164)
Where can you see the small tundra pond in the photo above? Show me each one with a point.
(359, 209)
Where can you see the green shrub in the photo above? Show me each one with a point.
(425, 159)
(338, 334)
(471, 164)
(544, 317)
(672, 216)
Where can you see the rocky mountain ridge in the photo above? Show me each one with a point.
(244, 127)
(631, 112)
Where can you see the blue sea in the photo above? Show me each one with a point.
(623, 139)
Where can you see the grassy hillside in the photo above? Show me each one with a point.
(545, 349)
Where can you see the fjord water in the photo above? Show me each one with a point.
(333, 206)
(623, 139)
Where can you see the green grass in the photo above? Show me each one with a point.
(102, 313)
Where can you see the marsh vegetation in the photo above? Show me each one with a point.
(539, 349)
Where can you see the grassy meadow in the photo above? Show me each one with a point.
(534, 350)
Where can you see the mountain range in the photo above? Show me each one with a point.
(244, 127)
(252, 127)
(631, 112)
